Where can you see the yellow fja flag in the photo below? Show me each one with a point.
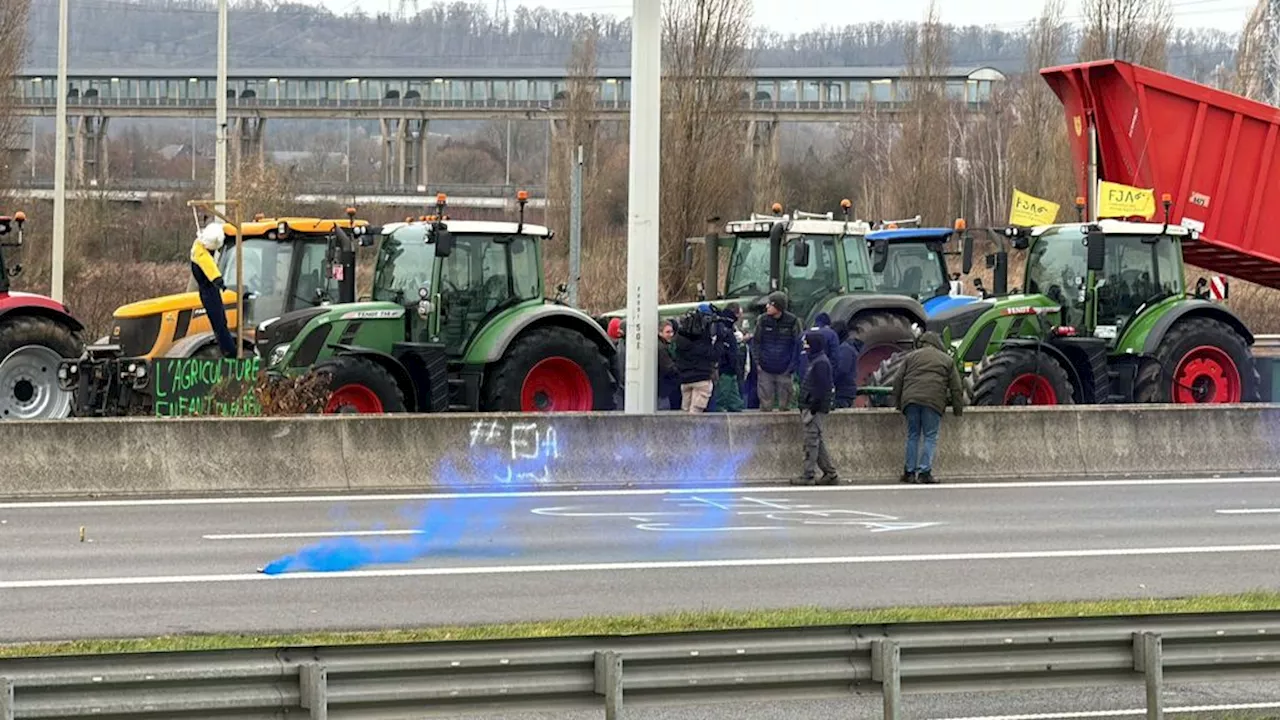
(1121, 201)
(1029, 211)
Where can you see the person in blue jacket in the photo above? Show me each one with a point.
(844, 366)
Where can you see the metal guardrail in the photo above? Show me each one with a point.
(422, 680)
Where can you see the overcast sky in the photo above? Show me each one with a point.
(790, 16)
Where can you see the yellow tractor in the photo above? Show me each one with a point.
(289, 263)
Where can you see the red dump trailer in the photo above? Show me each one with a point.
(1214, 152)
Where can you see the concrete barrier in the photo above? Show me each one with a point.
(484, 452)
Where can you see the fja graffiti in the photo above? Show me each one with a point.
(517, 452)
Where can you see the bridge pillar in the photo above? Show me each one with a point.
(247, 142)
(414, 149)
(89, 150)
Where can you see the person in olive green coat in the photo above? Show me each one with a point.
(924, 380)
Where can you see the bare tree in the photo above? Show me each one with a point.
(1038, 154)
(578, 128)
(1249, 76)
(1134, 30)
(920, 174)
(13, 43)
(703, 137)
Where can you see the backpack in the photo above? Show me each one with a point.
(695, 324)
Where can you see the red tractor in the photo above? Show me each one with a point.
(36, 333)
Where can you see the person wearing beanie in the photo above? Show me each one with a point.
(816, 391)
(822, 323)
(776, 347)
(844, 366)
(727, 395)
(617, 333)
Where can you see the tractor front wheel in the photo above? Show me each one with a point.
(1015, 376)
(1200, 360)
(31, 348)
(550, 369)
(360, 386)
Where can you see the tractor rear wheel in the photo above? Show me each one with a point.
(550, 369)
(882, 334)
(360, 386)
(31, 348)
(1015, 376)
(1199, 360)
(882, 377)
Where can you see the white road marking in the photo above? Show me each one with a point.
(635, 565)
(1250, 511)
(1123, 713)
(292, 535)
(400, 497)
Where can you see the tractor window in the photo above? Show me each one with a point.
(405, 261)
(858, 261)
(474, 281)
(1137, 273)
(805, 286)
(526, 268)
(314, 274)
(266, 276)
(914, 269)
(1056, 269)
(748, 268)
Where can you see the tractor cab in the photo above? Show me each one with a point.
(911, 262)
(459, 276)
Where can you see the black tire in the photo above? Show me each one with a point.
(32, 393)
(358, 376)
(506, 382)
(1155, 381)
(992, 379)
(208, 352)
(882, 334)
(882, 377)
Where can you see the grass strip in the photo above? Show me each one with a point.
(670, 622)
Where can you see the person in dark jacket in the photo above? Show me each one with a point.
(924, 380)
(696, 360)
(668, 375)
(822, 323)
(727, 396)
(816, 391)
(776, 346)
(844, 367)
(617, 333)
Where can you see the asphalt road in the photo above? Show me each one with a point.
(149, 567)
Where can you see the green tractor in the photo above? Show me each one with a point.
(1105, 318)
(457, 321)
(822, 264)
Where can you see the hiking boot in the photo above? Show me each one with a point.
(803, 481)
(907, 477)
(926, 478)
(832, 479)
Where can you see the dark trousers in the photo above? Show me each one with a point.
(815, 449)
(211, 299)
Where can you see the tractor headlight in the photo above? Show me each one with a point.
(277, 354)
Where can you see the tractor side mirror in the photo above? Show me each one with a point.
(800, 255)
(1096, 250)
(989, 260)
(879, 255)
(444, 243)
(966, 262)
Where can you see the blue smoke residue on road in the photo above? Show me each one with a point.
(472, 527)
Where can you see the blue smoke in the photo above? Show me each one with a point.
(471, 527)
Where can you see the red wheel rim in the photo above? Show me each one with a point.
(868, 362)
(1030, 389)
(353, 399)
(556, 384)
(1207, 374)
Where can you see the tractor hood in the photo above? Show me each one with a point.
(167, 303)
